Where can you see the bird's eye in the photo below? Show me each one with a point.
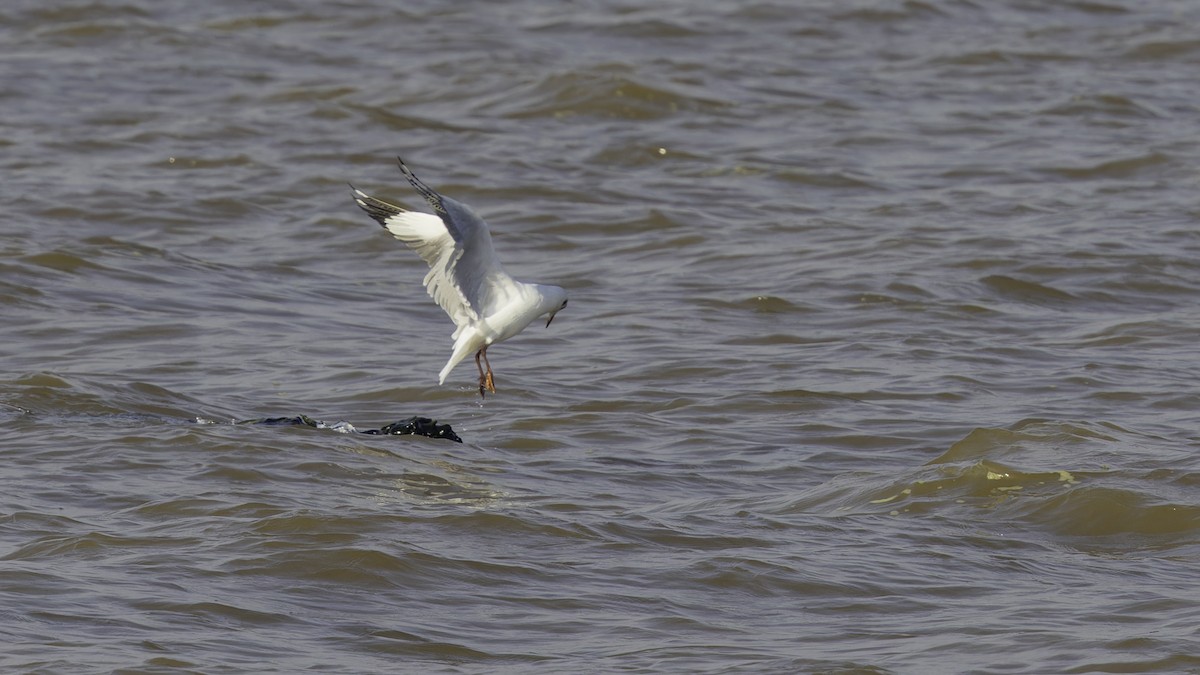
(564, 304)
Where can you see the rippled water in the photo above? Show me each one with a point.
(881, 354)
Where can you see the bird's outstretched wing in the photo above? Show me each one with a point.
(465, 279)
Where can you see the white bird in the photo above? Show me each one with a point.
(465, 278)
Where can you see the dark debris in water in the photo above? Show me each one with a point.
(413, 426)
(417, 426)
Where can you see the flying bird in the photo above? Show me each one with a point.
(465, 279)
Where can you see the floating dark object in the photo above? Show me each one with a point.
(417, 426)
(413, 426)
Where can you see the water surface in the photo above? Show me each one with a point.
(880, 357)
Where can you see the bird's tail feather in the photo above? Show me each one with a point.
(464, 346)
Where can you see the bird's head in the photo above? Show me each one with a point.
(554, 299)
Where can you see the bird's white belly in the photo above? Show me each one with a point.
(511, 320)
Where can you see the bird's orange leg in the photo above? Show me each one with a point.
(490, 382)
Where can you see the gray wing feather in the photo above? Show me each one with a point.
(477, 271)
(470, 268)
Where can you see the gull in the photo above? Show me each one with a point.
(465, 279)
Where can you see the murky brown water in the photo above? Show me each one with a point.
(881, 352)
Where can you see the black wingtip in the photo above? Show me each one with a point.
(430, 195)
(381, 210)
(412, 177)
(378, 209)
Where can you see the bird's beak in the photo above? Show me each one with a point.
(550, 319)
